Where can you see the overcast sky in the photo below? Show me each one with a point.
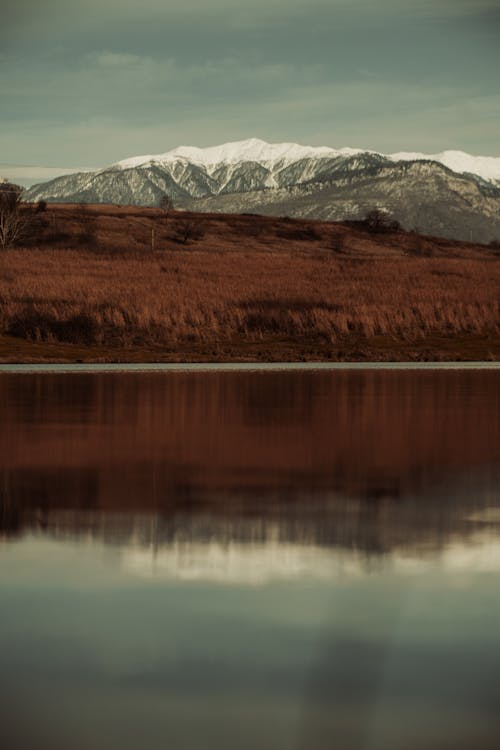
(89, 82)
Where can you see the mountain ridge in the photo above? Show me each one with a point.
(257, 150)
(295, 180)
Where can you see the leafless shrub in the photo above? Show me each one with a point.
(189, 229)
(378, 221)
(15, 219)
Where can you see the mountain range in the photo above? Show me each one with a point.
(451, 194)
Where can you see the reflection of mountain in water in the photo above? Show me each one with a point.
(364, 460)
(322, 520)
(341, 541)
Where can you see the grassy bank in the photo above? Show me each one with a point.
(89, 287)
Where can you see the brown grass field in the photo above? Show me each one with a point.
(88, 286)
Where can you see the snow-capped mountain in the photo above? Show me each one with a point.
(256, 150)
(270, 154)
(486, 167)
(449, 194)
(253, 149)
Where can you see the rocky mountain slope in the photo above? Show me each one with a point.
(423, 193)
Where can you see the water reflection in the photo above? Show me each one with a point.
(292, 560)
(370, 460)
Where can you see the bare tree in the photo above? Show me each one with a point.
(381, 221)
(189, 228)
(15, 220)
(165, 204)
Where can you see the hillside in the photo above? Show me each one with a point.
(451, 194)
(88, 286)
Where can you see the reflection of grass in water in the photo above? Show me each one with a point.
(367, 430)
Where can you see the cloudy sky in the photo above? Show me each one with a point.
(88, 82)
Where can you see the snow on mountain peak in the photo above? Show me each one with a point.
(252, 149)
(487, 167)
(257, 150)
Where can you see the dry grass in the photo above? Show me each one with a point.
(248, 280)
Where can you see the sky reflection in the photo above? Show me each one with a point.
(286, 560)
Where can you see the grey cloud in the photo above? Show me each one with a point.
(95, 81)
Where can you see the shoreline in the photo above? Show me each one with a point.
(348, 350)
(259, 367)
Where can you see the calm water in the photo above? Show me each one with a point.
(241, 560)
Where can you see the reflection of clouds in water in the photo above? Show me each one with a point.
(480, 554)
(257, 564)
(488, 515)
(243, 564)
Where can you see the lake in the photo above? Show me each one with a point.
(295, 559)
